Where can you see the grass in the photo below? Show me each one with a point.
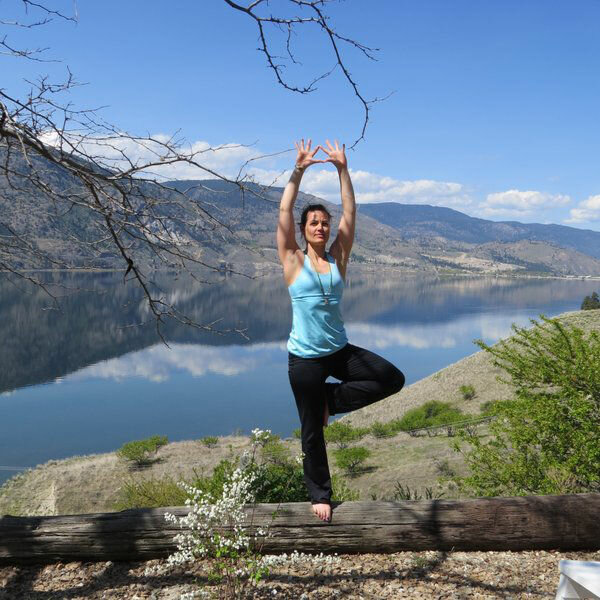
(98, 483)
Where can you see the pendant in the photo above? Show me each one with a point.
(325, 301)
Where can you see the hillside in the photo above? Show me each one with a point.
(217, 224)
(91, 483)
(417, 221)
(452, 240)
(212, 220)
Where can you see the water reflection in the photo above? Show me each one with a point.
(99, 314)
(159, 363)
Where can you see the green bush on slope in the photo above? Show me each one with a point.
(430, 414)
(139, 452)
(545, 440)
(591, 302)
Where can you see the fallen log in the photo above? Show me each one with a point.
(522, 523)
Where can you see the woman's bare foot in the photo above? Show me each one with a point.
(323, 511)
(326, 415)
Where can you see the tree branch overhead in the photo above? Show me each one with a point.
(101, 187)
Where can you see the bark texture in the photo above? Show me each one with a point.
(567, 522)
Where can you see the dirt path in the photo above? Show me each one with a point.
(426, 575)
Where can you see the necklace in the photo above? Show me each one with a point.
(325, 298)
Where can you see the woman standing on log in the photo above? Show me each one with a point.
(318, 346)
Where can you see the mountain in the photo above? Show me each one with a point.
(217, 224)
(417, 237)
(416, 221)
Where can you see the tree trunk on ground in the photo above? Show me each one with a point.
(525, 523)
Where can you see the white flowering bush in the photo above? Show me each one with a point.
(218, 528)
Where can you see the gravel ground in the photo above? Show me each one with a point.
(429, 575)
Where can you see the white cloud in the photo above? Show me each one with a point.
(382, 336)
(520, 203)
(588, 210)
(120, 151)
(227, 160)
(494, 328)
(158, 363)
(371, 187)
(435, 335)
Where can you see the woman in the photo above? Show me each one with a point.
(318, 346)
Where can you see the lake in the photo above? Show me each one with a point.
(85, 377)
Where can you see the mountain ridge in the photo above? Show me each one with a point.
(479, 231)
(218, 224)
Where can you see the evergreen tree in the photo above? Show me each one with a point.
(591, 302)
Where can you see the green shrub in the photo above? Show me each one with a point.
(467, 391)
(402, 492)
(280, 483)
(350, 460)
(591, 302)
(150, 493)
(395, 425)
(212, 485)
(430, 414)
(383, 430)
(275, 452)
(489, 408)
(343, 434)
(140, 451)
(545, 440)
(297, 433)
(278, 477)
(341, 491)
(210, 441)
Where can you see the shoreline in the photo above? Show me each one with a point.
(365, 267)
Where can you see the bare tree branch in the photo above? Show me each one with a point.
(322, 21)
(96, 195)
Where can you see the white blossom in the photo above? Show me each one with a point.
(260, 436)
(220, 527)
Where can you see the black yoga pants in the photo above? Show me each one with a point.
(364, 378)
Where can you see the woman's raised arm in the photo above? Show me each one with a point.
(342, 246)
(286, 235)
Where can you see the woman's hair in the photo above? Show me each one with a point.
(311, 208)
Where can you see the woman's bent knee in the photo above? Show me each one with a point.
(397, 381)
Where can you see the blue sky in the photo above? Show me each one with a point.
(495, 110)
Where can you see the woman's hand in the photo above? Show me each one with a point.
(337, 155)
(305, 157)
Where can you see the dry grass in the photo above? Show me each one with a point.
(91, 483)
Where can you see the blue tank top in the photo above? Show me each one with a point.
(317, 326)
